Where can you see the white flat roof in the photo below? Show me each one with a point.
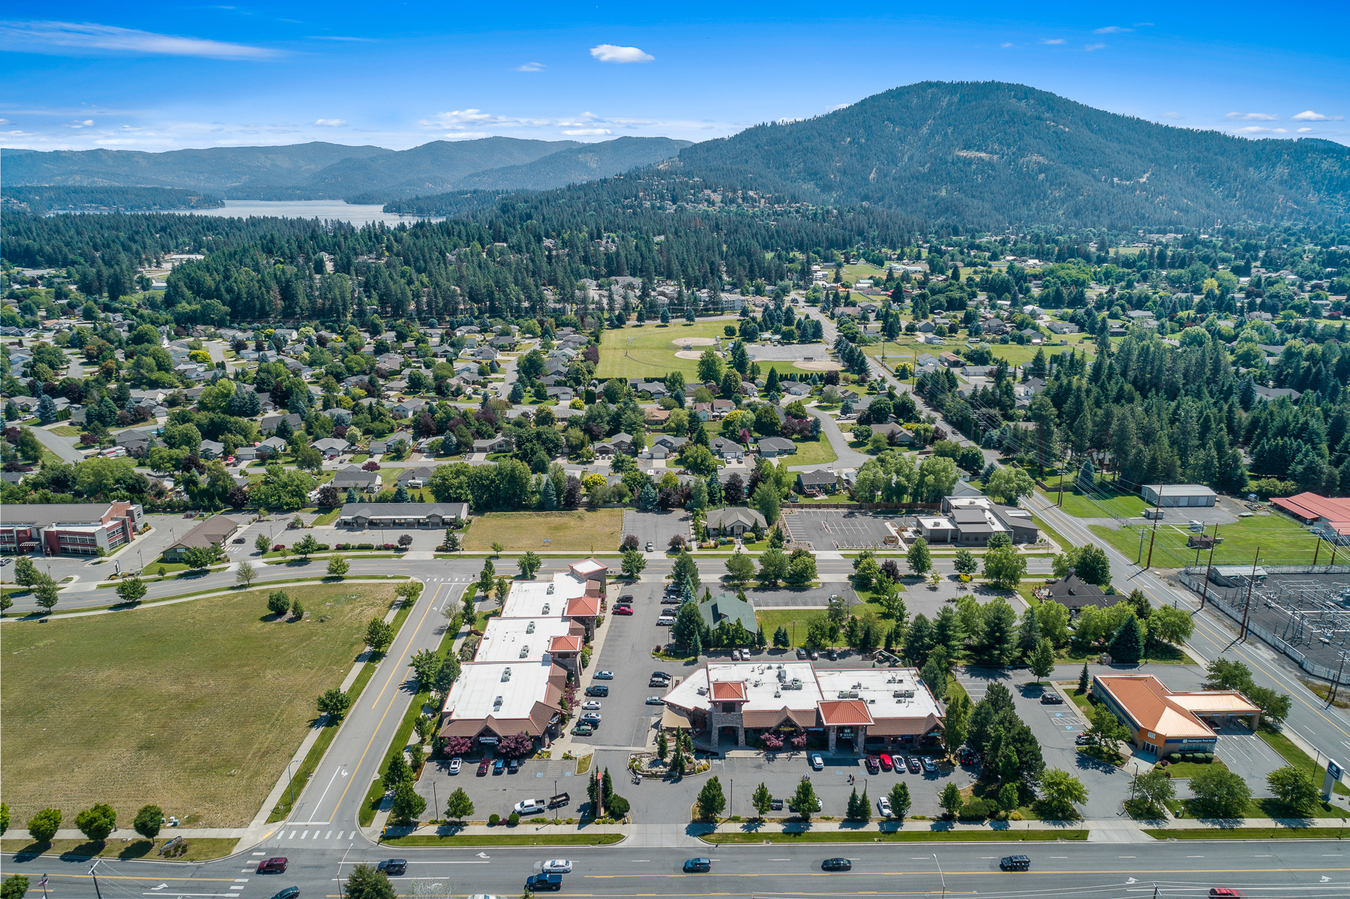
(505, 639)
(765, 690)
(877, 687)
(475, 693)
(934, 522)
(529, 599)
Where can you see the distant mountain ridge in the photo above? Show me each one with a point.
(992, 154)
(320, 171)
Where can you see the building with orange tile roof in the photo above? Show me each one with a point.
(1162, 721)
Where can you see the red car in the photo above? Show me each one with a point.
(623, 610)
(483, 768)
(871, 763)
(886, 763)
(1224, 893)
(272, 866)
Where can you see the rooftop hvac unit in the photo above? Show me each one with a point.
(777, 694)
(497, 704)
(525, 651)
(546, 608)
(549, 591)
(529, 628)
(506, 675)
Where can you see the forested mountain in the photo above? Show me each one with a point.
(41, 200)
(584, 163)
(329, 171)
(234, 172)
(989, 155)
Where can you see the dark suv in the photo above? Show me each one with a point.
(393, 866)
(272, 866)
(597, 690)
(1015, 863)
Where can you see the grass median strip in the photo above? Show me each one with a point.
(505, 839)
(900, 836)
(124, 850)
(1247, 833)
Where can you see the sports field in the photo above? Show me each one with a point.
(194, 707)
(650, 351)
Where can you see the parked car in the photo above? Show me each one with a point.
(582, 730)
(928, 765)
(817, 763)
(887, 763)
(801, 653)
(597, 690)
(655, 700)
(815, 656)
(455, 764)
(529, 806)
(776, 805)
(272, 866)
(557, 866)
(498, 766)
(393, 866)
(1082, 740)
(536, 882)
(1015, 863)
(660, 675)
(884, 807)
(697, 865)
(512, 766)
(604, 675)
(873, 766)
(914, 764)
(833, 655)
(836, 864)
(591, 718)
(967, 756)
(483, 768)
(623, 610)
(591, 705)
(649, 546)
(1051, 699)
(626, 599)
(666, 620)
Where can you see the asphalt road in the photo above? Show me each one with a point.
(61, 446)
(1098, 870)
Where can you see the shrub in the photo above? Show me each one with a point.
(494, 820)
(365, 546)
(514, 819)
(976, 810)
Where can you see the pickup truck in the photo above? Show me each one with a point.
(536, 882)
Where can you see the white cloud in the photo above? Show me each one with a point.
(611, 53)
(1171, 115)
(338, 37)
(1252, 117)
(1052, 40)
(1310, 116)
(76, 38)
(5, 122)
(330, 123)
(1006, 44)
(1257, 129)
(87, 123)
(586, 132)
(1112, 29)
(1305, 131)
(530, 67)
(1090, 47)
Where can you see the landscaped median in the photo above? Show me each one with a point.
(949, 835)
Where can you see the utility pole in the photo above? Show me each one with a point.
(1156, 509)
(1210, 567)
(97, 891)
(1140, 557)
(1336, 685)
(1317, 550)
(1246, 608)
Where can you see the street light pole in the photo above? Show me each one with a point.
(940, 874)
(290, 782)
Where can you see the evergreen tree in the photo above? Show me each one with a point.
(1127, 644)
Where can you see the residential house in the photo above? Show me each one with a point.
(212, 531)
(813, 483)
(493, 445)
(726, 449)
(332, 447)
(1075, 594)
(354, 477)
(733, 521)
(772, 447)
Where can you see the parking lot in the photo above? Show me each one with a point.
(656, 528)
(831, 529)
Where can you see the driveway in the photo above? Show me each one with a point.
(64, 447)
(656, 528)
(848, 457)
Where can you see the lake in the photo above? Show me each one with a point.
(327, 210)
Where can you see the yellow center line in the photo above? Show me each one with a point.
(388, 706)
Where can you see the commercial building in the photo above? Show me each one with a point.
(1177, 495)
(359, 516)
(212, 531)
(81, 529)
(525, 658)
(1329, 516)
(1162, 721)
(862, 708)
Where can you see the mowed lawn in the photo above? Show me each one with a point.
(579, 532)
(1104, 502)
(649, 351)
(195, 707)
(812, 452)
(1281, 541)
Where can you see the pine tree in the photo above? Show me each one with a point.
(1083, 680)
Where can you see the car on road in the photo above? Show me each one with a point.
(886, 763)
(649, 546)
(557, 866)
(817, 763)
(1015, 863)
(928, 765)
(914, 765)
(591, 718)
(288, 893)
(623, 610)
(456, 763)
(1224, 893)
(591, 705)
(272, 866)
(498, 766)
(529, 806)
(604, 675)
(483, 767)
(597, 690)
(700, 865)
(1051, 699)
(836, 864)
(393, 866)
(873, 767)
(583, 730)
(655, 700)
(536, 882)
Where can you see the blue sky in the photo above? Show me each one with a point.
(159, 76)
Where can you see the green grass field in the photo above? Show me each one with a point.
(1105, 503)
(1281, 541)
(902, 836)
(813, 452)
(580, 532)
(649, 351)
(195, 707)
